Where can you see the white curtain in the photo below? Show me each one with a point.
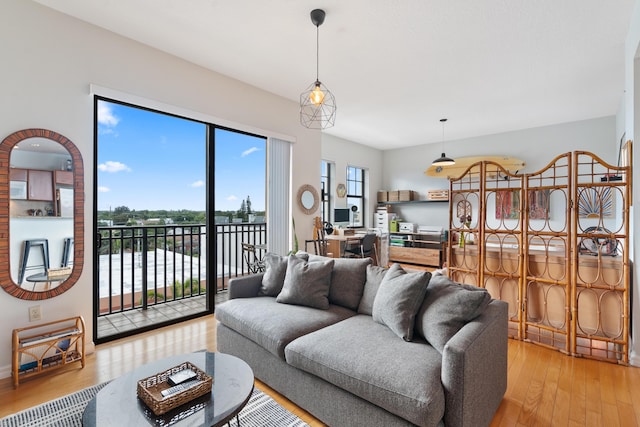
(278, 195)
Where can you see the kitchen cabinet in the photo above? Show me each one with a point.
(63, 177)
(40, 185)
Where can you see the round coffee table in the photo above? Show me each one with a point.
(117, 403)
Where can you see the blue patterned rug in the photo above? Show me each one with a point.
(261, 410)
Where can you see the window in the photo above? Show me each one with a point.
(168, 189)
(325, 191)
(355, 194)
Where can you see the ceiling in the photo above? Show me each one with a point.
(397, 67)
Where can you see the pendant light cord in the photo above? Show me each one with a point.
(317, 51)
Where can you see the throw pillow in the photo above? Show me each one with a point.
(447, 307)
(306, 283)
(347, 281)
(398, 299)
(275, 270)
(375, 274)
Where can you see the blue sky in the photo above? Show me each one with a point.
(148, 160)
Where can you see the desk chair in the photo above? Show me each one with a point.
(362, 248)
(254, 263)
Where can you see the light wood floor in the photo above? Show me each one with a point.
(545, 387)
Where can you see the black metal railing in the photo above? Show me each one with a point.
(140, 266)
(230, 260)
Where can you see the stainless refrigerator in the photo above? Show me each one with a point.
(65, 202)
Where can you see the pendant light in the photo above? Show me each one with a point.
(443, 160)
(317, 103)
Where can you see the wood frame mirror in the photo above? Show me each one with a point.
(308, 199)
(6, 147)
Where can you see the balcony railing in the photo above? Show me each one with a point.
(168, 262)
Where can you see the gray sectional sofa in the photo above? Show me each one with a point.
(360, 345)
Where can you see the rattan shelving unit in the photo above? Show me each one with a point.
(41, 348)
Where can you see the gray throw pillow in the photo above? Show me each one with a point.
(447, 307)
(398, 299)
(375, 274)
(347, 280)
(275, 270)
(306, 283)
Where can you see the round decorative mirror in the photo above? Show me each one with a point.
(42, 219)
(308, 199)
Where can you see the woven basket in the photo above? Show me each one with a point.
(149, 389)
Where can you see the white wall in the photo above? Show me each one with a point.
(49, 60)
(632, 126)
(403, 169)
(343, 153)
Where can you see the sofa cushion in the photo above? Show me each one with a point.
(399, 297)
(275, 271)
(273, 325)
(347, 280)
(306, 283)
(447, 307)
(366, 359)
(375, 274)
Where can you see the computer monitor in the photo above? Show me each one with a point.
(341, 216)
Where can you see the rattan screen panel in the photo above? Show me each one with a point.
(464, 211)
(503, 205)
(556, 250)
(600, 303)
(547, 293)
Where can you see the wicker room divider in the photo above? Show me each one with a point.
(553, 244)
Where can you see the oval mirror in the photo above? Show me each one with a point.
(42, 220)
(308, 199)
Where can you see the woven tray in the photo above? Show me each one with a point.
(149, 389)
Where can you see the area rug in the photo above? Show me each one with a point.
(261, 410)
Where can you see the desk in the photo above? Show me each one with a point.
(337, 242)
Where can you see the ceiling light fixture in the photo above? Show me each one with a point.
(443, 160)
(317, 103)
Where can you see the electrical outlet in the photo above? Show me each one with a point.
(35, 313)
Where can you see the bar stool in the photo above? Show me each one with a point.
(66, 252)
(28, 244)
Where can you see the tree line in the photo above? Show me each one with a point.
(122, 215)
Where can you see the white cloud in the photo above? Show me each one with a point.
(232, 198)
(197, 184)
(106, 131)
(111, 166)
(106, 116)
(249, 151)
(103, 189)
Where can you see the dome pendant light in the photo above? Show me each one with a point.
(443, 160)
(317, 104)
